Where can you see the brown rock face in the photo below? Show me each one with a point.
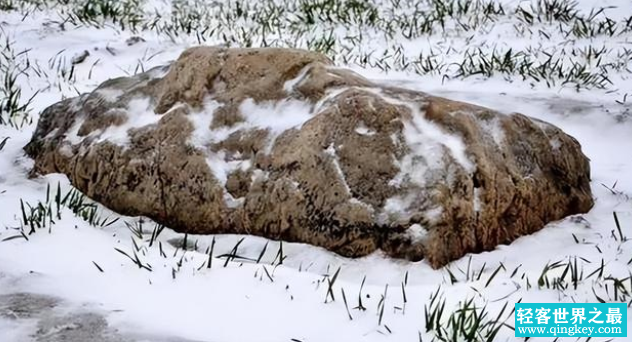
(280, 143)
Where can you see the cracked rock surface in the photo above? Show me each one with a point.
(280, 143)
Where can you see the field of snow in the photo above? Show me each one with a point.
(95, 276)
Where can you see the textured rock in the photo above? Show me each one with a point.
(280, 143)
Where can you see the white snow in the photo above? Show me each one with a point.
(331, 151)
(140, 113)
(239, 302)
(434, 214)
(276, 116)
(363, 130)
(427, 139)
(356, 201)
(222, 168)
(110, 94)
(291, 84)
(417, 233)
(494, 129)
(396, 209)
(201, 120)
(428, 142)
(66, 151)
(330, 94)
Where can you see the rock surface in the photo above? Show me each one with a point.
(282, 144)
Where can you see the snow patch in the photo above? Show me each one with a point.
(416, 233)
(330, 94)
(428, 140)
(73, 133)
(409, 170)
(331, 150)
(428, 143)
(433, 215)
(201, 121)
(278, 116)
(356, 201)
(363, 130)
(289, 85)
(52, 133)
(66, 151)
(259, 174)
(275, 116)
(140, 113)
(395, 209)
(110, 94)
(494, 129)
(221, 168)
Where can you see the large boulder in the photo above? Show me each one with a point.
(282, 144)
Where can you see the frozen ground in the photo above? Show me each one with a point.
(69, 282)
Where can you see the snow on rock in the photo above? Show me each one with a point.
(140, 114)
(154, 306)
(331, 151)
(363, 130)
(349, 165)
(495, 130)
(289, 85)
(110, 95)
(417, 233)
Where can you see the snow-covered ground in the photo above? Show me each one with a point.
(312, 295)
